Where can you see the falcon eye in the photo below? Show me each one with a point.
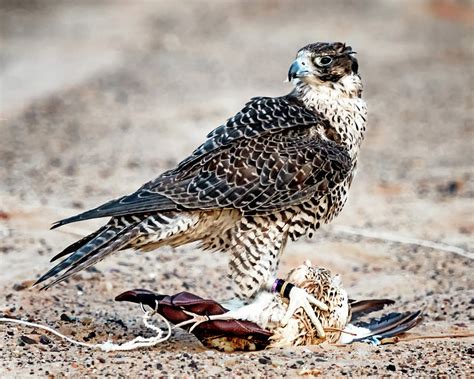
(323, 61)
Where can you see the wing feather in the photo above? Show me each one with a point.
(267, 157)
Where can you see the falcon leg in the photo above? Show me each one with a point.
(299, 298)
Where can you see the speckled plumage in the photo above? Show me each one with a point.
(327, 288)
(277, 170)
(268, 309)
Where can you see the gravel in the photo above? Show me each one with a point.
(98, 99)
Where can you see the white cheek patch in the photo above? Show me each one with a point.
(350, 83)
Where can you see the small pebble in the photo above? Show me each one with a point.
(65, 317)
(193, 365)
(45, 340)
(23, 285)
(28, 340)
(86, 321)
(89, 336)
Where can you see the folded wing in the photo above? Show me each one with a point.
(267, 157)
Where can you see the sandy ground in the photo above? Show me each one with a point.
(97, 99)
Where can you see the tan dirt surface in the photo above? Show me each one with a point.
(96, 99)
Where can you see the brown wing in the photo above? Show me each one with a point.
(267, 173)
(265, 158)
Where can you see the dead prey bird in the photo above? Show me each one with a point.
(258, 325)
(277, 170)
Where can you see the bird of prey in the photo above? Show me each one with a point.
(259, 324)
(277, 170)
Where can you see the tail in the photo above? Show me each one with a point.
(376, 329)
(117, 234)
(363, 307)
(394, 324)
(389, 325)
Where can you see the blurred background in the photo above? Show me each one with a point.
(97, 97)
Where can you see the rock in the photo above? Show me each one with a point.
(65, 317)
(193, 365)
(86, 321)
(90, 336)
(23, 285)
(28, 340)
(45, 340)
(264, 360)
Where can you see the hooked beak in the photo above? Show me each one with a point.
(297, 70)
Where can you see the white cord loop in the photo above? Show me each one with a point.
(136, 343)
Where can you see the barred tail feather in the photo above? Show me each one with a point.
(77, 245)
(92, 249)
(144, 232)
(362, 307)
(394, 323)
(389, 325)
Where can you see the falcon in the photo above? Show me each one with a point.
(277, 170)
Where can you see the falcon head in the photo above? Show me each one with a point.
(323, 63)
